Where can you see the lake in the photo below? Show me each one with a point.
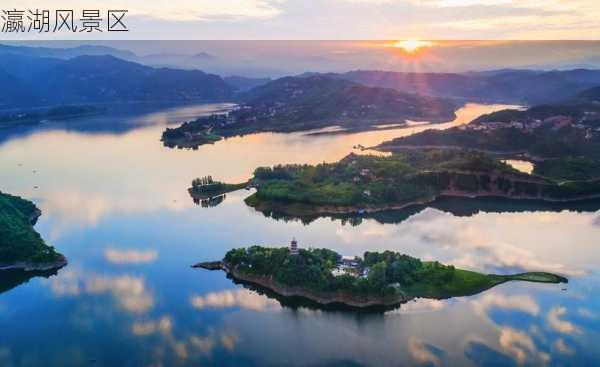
(115, 202)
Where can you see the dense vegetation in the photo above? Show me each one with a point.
(303, 103)
(568, 168)
(360, 183)
(389, 274)
(571, 128)
(19, 242)
(373, 180)
(389, 271)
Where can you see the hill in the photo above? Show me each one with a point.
(570, 128)
(21, 247)
(304, 103)
(102, 79)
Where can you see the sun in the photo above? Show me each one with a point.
(412, 45)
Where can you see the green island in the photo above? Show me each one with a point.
(21, 247)
(307, 103)
(376, 279)
(367, 183)
(205, 187)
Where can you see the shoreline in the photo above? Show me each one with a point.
(33, 267)
(362, 302)
(324, 299)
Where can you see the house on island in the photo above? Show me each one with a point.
(350, 265)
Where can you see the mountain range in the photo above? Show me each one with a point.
(41, 76)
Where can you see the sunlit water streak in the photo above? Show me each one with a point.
(115, 203)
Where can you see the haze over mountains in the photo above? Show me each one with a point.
(45, 76)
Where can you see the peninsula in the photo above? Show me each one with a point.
(366, 184)
(570, 128)
(306, 103)
(21, 247)
(374, 280)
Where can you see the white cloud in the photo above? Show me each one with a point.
(164, 326)
(129, 291)
(520, 345)
(560, 325)
(242, 298)
(117, 256)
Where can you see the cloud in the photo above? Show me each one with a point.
(588, 314)
(520, 345)
(560, 325)
(242, 298)
(178, 11)
(163, 326)
(204, 344)
(229, 341)
(562, 347)
(424, 353)
(523, 303)
(129, 291)
(117, 256)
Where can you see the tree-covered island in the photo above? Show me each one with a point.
(366, 183)
(313, 102)
(21, 247)
(375, 279)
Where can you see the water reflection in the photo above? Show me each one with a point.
(459, 207)
(10, 279)
(116, 206)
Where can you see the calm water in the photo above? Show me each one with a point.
(115, 203)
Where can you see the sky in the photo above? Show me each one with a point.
(336, 19)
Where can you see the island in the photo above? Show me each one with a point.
(363, 184)
(307, 103)
(377, 279)
(21, 247)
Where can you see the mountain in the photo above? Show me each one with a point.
(19, 91)
(97, 79)
(244, 84)
(305, 103)
(591, 95)
(318, 98)
(501, 86)
(66, 53)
